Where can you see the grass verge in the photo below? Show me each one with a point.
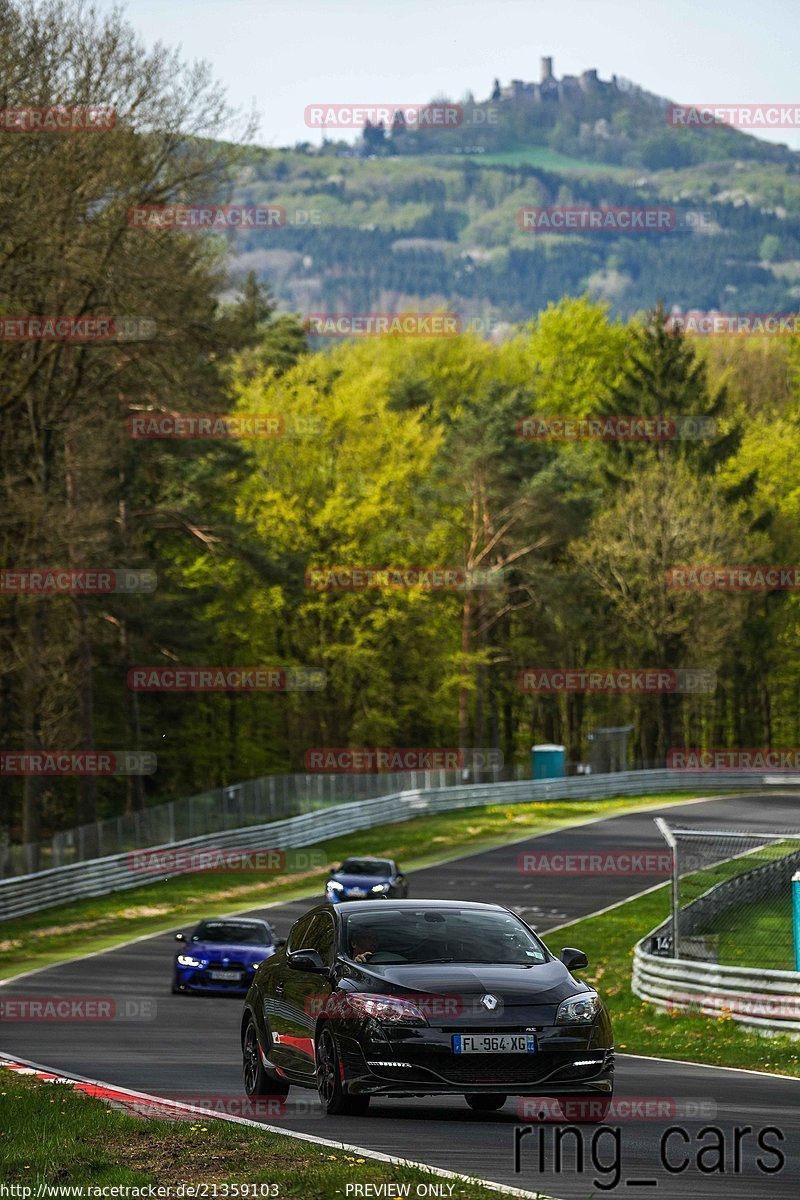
(72, 930)
(757, 935)
(50, 1134)
(639, 1028)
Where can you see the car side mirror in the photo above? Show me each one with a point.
(574, 960)
(307, 960)
(279, 942)
(180, 937)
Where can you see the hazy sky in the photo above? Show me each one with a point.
(281, 55)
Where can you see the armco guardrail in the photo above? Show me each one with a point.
(759, 997)
(31, 893)
(251, 802)
(763, 999)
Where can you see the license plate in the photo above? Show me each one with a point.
(229, 975)
(356, 892)
(494, 1043)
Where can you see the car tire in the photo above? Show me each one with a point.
(175, 988)
(592, 1109)
(257, 1080)
(480, 1103)
(329, 1081)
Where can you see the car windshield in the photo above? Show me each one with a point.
(235, 932)
(443, 935)
(365, 866)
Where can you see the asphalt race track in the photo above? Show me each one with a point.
(188, 1046)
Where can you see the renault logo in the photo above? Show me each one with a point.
(489, 1002)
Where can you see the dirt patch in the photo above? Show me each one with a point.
(145, 910)
(173, 1158)
(75, 927)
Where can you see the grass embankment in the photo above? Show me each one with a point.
(758, 935)
(50, 1134)
(639, 1028)
(71, 930)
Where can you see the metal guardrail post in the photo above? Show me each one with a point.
(666, 833)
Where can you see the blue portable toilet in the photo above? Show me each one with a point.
(547, 762)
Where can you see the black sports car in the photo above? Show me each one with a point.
(413, 998)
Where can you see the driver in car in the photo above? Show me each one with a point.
(363, 945)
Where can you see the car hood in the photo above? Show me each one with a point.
(532, 992)
(362, 881)
(216, 950)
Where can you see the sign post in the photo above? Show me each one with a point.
(796, 912)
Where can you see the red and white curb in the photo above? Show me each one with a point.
(178, 1110)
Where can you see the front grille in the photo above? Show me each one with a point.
(203, 978)
(496, 1068)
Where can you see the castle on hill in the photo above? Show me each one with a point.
(550, 88)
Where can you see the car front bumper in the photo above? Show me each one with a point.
(568, 1062)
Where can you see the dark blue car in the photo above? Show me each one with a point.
(222, 955)
(366, 879)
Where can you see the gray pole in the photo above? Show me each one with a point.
(669, 838)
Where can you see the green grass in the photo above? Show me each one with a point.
(757, 935)
(639, 1028)
(550, 160)
(749, 935)
(50, 1134)
(71, 930)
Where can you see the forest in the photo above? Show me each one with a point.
(387, 452)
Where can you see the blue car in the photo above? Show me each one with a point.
(366, 879)
(222, 955)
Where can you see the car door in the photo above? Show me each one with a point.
(278, 1013)
(305, 993)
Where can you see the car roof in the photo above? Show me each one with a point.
(382, 906)
(233, 921)
(366, 858)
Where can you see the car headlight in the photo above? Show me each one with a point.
(254, 966)
(380, 887)
(579, 1010)
(186, 960)
(334, 886)
(381, 1008)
